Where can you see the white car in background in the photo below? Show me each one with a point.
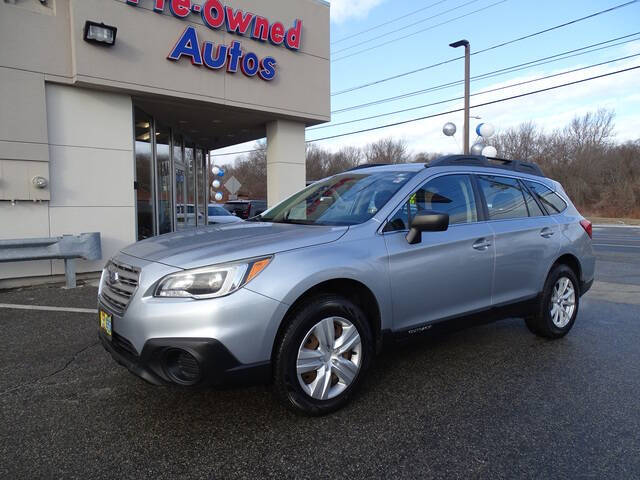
(219, 214)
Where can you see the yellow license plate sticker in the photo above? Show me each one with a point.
(106, 323)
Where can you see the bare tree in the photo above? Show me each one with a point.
(387, 150)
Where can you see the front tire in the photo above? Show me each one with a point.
(323, 355)
(558, 307)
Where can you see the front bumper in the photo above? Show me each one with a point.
(230, 338)
(217, 366)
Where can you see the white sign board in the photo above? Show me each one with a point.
(233, 185)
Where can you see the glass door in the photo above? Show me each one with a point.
(180, 184)
(165, 183)
(144, 175)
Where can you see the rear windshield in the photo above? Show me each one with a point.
(346, 199)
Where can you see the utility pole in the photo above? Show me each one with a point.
(467, 82)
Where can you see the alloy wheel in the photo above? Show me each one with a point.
(329, 358)
(563, 302)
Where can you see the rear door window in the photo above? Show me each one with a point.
(547, 197)
(504, 196)
(534, 208)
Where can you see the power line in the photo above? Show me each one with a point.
(362, 32)
(419, 31)
(514, 68)
(509, 42)
(407, 26)
(483, 92)
(404, 122)
(426, 117)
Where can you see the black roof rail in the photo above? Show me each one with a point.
(367, 165)
(492, 162)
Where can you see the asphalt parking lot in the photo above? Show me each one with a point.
(492, 401)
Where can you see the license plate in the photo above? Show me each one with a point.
(106, 323)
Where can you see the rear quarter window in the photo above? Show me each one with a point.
(551, 201)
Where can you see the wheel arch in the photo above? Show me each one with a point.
(570, 261)
(354, 290)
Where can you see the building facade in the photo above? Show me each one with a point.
(109, 109)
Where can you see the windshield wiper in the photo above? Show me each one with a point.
(294, 222)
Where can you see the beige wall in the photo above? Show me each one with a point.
(92, 166)
(92, 172)
(51, 43)
(66, 108)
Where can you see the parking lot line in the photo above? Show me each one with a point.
(48, 309)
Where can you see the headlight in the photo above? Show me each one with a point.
(210, 282)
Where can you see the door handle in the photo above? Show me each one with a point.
(481, 244)
(546, 232)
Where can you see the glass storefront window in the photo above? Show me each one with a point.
(189, 163)
(165, 183)
(200, 186)
(180, 183)
(144, 175)
(171, 179)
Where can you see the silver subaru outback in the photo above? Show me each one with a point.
(304, 295)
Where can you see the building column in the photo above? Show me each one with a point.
(286, 169)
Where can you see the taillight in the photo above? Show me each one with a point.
(588, 227)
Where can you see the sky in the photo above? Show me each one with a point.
(422, 38)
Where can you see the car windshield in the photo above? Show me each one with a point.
(345, 199)
(215, 211)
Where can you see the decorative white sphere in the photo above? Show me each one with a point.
(218, 196)
(485, 130)
(489, 151)
(215, 170)
(216, 184)
(449, 129)
(477, 148)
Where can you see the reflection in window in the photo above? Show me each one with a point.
(189, 164)
(200, 187)
(144, 175)
(504, 196)
(165, 200)
(450, 194)
(551, 201)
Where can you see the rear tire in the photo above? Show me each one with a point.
(558, 307)
(323, 355)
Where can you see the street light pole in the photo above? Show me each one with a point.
(467, 82)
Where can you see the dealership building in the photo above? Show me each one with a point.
(109, 109)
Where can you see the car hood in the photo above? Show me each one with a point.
(225, 243)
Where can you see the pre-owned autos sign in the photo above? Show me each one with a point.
(215, 15)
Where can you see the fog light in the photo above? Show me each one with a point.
(181, 367)
(100, 33)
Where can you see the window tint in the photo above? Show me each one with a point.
(504, 196)
(451, 194)
(534, 208)
(551, 201)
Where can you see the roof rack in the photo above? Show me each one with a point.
(367, 165)
(492, 162)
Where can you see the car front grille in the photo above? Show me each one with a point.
(119, 283)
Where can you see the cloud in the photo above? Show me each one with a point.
(342, 10)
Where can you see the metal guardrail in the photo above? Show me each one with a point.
(66, 247)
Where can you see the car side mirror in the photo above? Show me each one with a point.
(426, 221)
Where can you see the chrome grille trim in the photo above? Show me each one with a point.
(116, 293)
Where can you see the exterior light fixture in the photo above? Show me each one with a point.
(100, 33)
(39, 182)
